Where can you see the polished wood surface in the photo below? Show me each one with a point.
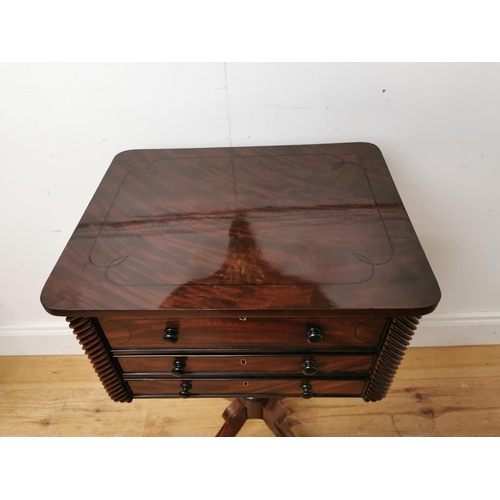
(438, 391)
(243, 409)
(302, 250)
(260, 231)
(95, 346)
(253, 332)
(249, 364)
(241, 387)
(397, 340)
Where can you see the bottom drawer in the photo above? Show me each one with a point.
(241, 388)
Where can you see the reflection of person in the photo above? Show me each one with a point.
(245, 269)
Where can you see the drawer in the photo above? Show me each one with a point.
(241, 333)
(308, 365)
(251, 387)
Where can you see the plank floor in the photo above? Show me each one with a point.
(438, 391)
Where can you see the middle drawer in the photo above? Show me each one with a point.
(245, 364)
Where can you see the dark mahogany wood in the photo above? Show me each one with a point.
(241, 409)
(233, 333)
(235, 416)
(273, 231)
(94, 345)
(272, 365)
(242, 387)
(396, 342)
(256, 273)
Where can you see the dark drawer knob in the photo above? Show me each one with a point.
(171, 335)
(178, 368)
(309, 367)
(306, 391)
(314, 335)
(185, 390)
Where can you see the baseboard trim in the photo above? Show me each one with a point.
(443, 329)
(437, 329)
(25, 340)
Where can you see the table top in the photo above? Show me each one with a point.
(276, 231)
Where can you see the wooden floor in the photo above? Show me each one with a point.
(438, 391)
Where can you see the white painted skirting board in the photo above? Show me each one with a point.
(441, 329)
(438, 329)
(52, 338)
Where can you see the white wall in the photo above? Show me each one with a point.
(438, 126)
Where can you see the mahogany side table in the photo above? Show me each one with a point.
(249, 273)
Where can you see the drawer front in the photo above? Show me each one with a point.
(205, 365)
(234, 333)
(251, 387)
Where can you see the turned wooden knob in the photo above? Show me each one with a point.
(306, 391)
(185, 390)
(178, 368)
(309, 367)
(171, 335)
(314, 335)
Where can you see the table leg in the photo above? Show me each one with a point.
(242, 409)
(235, 415)
(274, 416)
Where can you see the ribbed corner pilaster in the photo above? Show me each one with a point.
(90, 338)
(395, 344)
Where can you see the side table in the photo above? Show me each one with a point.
(249, 273)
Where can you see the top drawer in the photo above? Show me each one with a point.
(242, 333)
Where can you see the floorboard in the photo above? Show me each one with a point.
(438, 391)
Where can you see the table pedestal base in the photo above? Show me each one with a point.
(268, 409)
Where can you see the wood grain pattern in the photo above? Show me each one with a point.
(252, 387)
(234, 416)
(244, 364)
(294, 249)
(397, 340)
(94, 345)
(445, 391)
(274, 231)
(241, 409)
(227, 333)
